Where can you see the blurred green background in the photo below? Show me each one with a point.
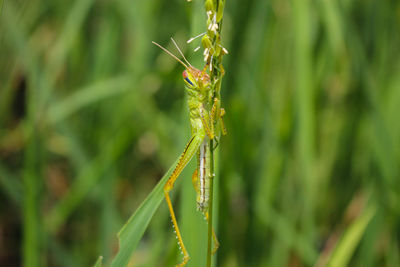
(92, 115)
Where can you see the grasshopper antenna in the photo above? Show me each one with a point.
(180, 52)
(172, 55)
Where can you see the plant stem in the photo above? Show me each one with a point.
(213, 56)
(210, 209)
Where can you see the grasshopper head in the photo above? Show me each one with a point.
(189, 79)
(195, 79)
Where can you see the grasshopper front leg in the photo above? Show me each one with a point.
(217, 113)
(190, 150)
(209, 121)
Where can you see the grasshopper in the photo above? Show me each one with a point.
(205, 115)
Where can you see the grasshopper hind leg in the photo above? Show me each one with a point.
(190, 149)
(186, 256)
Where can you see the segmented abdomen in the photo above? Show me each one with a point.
(204, 176)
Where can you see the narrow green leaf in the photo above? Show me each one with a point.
(73, 24)
(87, 96)
(10, 185)
(87, 179)
(345, 248)
(133, 230)
(98, 262)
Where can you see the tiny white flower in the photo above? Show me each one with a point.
(193, 38)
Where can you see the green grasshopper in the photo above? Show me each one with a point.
(205, 117)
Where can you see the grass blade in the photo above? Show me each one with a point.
(10, 185)
(87, 179)
(98, 262)
(133, 230)
(345, 248)
(88, 95)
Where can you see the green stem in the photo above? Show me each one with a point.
(31, 224)
(214, 10)
(304, 97)
(210, 209)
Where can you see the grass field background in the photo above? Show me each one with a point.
(92, 115)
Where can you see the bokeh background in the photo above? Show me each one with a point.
(92, 115)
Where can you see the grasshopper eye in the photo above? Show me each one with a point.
(186, 78)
